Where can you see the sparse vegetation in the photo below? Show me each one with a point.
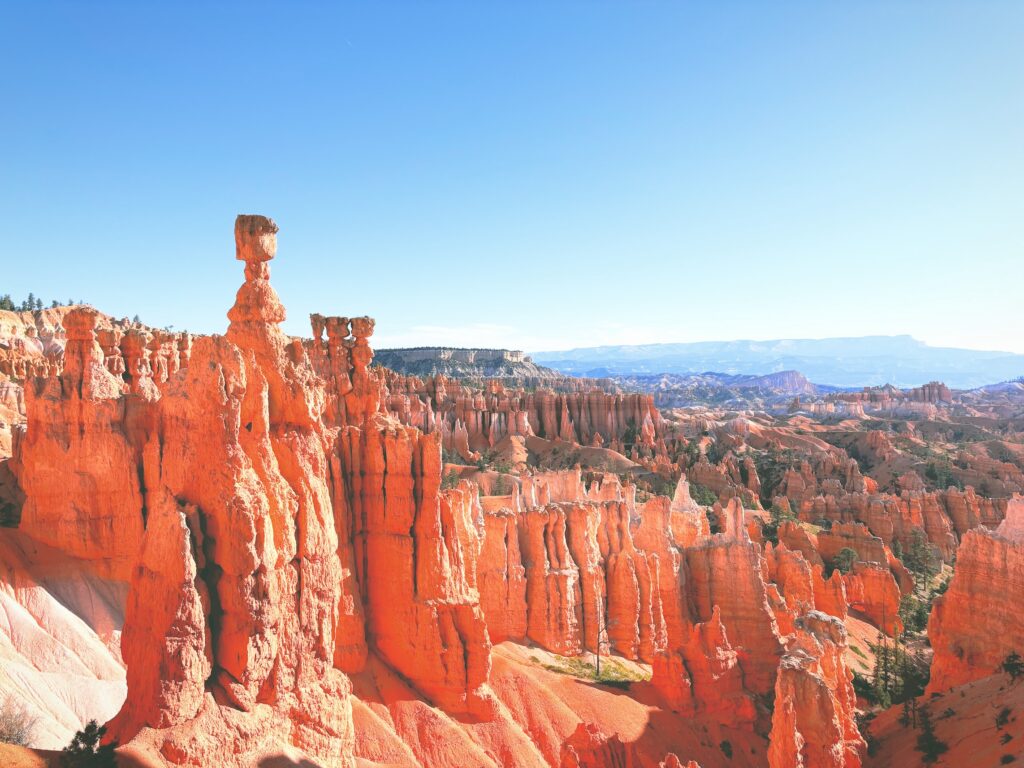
(863, 687)
(1013, 665)
(908, 716)
(716, 451)
(10, 514)
(914, 613)
(726, 748)
(897, 675)
(779, 514)
(30, 303)
(921, 559)
(489, 461)
(713, 525)
(863, 725)
(451, 480)
(613, 672)
(929, 745)
(844, 560)
(662, 486)
(941, 475)
(692, 452)
(702, 494)
(87, 749)
(630, 434)
(772, 466)
(16, 723)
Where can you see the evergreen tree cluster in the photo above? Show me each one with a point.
(924, 564)
(920, 559)
(898, 675)
(32, 303)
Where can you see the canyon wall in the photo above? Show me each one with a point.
(293, 574)
(977, 623)
(472, 421)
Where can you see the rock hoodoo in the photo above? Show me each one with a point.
(977, 623)
(302, 572)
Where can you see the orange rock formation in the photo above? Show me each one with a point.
(298, 579)
(813, 724)
(977, 623)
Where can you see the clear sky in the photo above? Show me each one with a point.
(531, 175)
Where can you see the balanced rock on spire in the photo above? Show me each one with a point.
(256, 302)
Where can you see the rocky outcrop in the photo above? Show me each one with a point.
(588, 747)
(724, 575)
(416, 553)
(463, 363)
(872, 590)
(298, 576)
(502, 577)
(553, 594)
(855, 536)
(473, 421)
(275, 527)
(635, 621)
(236, 596)
(32, 343)
(967, 509)
(574, 579)
(977, 623)
(830, 593)
(723, 641)
(78, 464)
(813, 724)
(797, 538)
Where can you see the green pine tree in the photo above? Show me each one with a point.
(87, 749)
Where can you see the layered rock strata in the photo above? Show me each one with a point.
(978, 623)
(274, 509)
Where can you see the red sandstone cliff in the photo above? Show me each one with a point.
(299, 579)
(977, 623)
(813, 724)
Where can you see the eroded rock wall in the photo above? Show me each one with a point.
(977, 623)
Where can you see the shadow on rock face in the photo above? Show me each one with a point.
(283, 761)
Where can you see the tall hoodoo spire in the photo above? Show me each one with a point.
(256, 303)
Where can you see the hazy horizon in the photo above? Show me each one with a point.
(749, 340)
(538, 177)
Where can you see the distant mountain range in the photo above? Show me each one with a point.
(722, 389)
(843, 362)
(463, 363)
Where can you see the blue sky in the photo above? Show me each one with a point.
(529, 175)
